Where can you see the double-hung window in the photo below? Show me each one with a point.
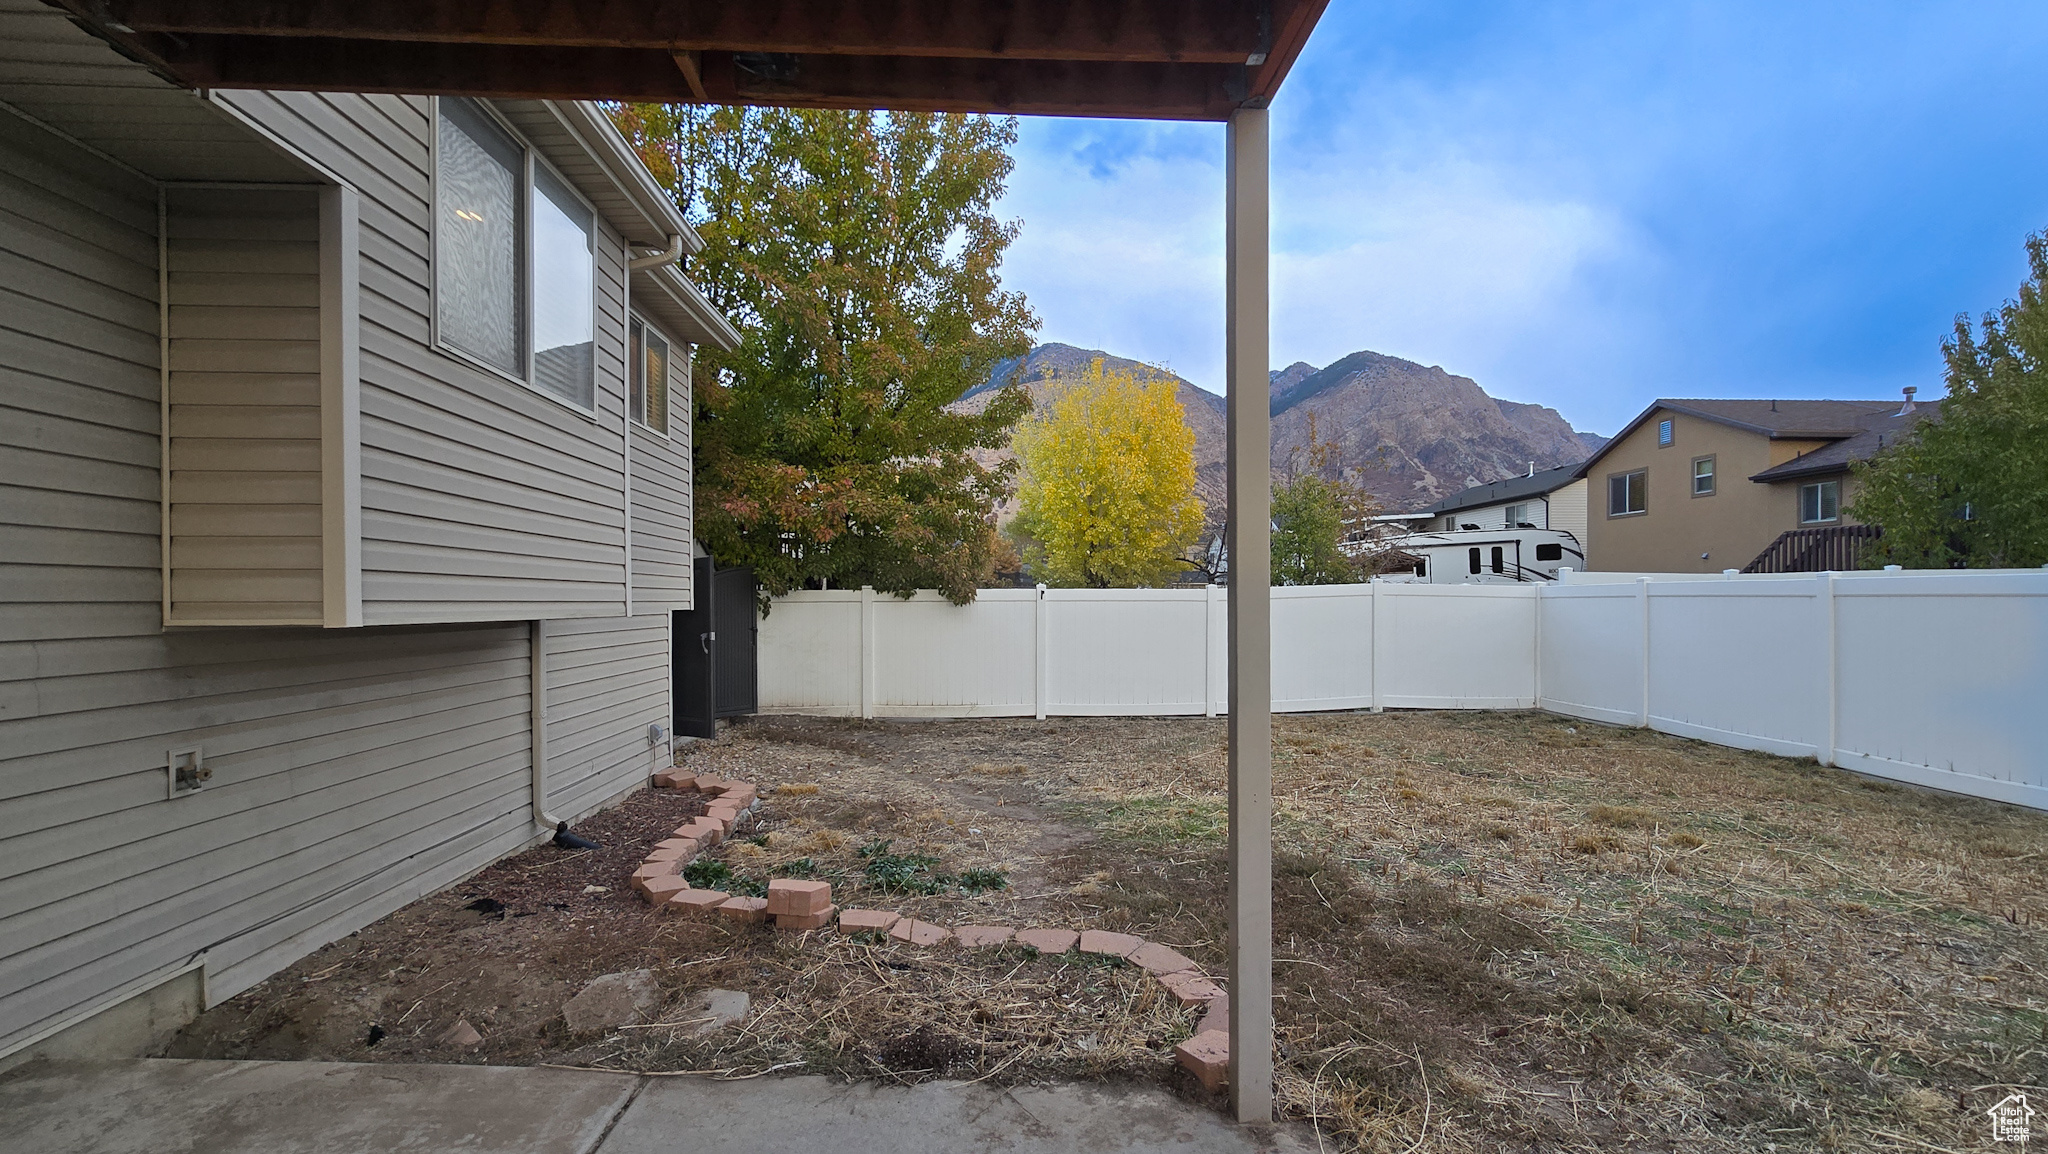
(1820, 502)
(1628, 493)
(515, 278)
(1703, 476)
(648, 372)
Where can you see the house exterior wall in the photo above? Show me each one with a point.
(353, 770)
(1730, 527)
(482, 499)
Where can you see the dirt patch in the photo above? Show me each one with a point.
(1493, 931)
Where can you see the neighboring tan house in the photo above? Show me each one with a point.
(345, 492)
(1551, 499)
(1694, 486)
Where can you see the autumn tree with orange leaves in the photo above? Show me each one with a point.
(857, 254)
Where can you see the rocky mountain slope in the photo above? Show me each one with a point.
(1408, 433)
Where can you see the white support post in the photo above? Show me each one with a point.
(1832, 729)
(867, 651)
(1536, 652)
(1041, 674)
(1643, 605)
(1247, 355)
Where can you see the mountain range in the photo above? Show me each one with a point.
(1408, 433)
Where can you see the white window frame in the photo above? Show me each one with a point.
(1817, 488)
(1712, 475)
(674, 347)
(528, 191)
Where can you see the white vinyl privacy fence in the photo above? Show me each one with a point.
(1935, 678)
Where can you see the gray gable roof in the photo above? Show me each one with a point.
(1512, 489)
(1880, 431)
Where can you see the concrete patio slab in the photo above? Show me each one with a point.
(169, 1106)
(166, 1106)
(806, 1114)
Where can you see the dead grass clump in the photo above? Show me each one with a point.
(1591, 844)
(1501, 833)
(987, 769)
(1684, 840)
(1621, 816)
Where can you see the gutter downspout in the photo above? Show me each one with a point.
(669, 255)
(538, 682)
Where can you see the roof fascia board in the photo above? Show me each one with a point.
(690, 301)
(587, 124)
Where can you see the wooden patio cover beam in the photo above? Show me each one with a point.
(1156, 59)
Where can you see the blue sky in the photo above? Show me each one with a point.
(1585, 205)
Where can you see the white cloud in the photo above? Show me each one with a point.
(1448, 262)
(1442, 261)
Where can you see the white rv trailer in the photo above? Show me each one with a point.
(1483, 556)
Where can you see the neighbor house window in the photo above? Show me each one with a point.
(1628, 493)
(515, 275)
(1820, 502)
(478, 273)
(649, 376)
(1451, 522)
(1663, 433)
(1518, 515)
(1702, 476)
(564, 292)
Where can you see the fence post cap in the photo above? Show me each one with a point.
(1902, 568)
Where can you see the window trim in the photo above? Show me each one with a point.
(1817, 485)
(1644, 472)
(528, 190)
(1713, 475)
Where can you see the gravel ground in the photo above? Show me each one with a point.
(1495, 931)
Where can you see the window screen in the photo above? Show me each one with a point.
(564, 292)
(477, 273)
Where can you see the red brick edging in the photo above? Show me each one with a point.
(796, 904)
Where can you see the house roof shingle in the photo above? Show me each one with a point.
(1781, 420)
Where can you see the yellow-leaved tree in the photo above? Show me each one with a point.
(1108, 492)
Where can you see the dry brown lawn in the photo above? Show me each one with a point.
(1494, 932)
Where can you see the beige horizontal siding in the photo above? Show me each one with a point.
(244, 407)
